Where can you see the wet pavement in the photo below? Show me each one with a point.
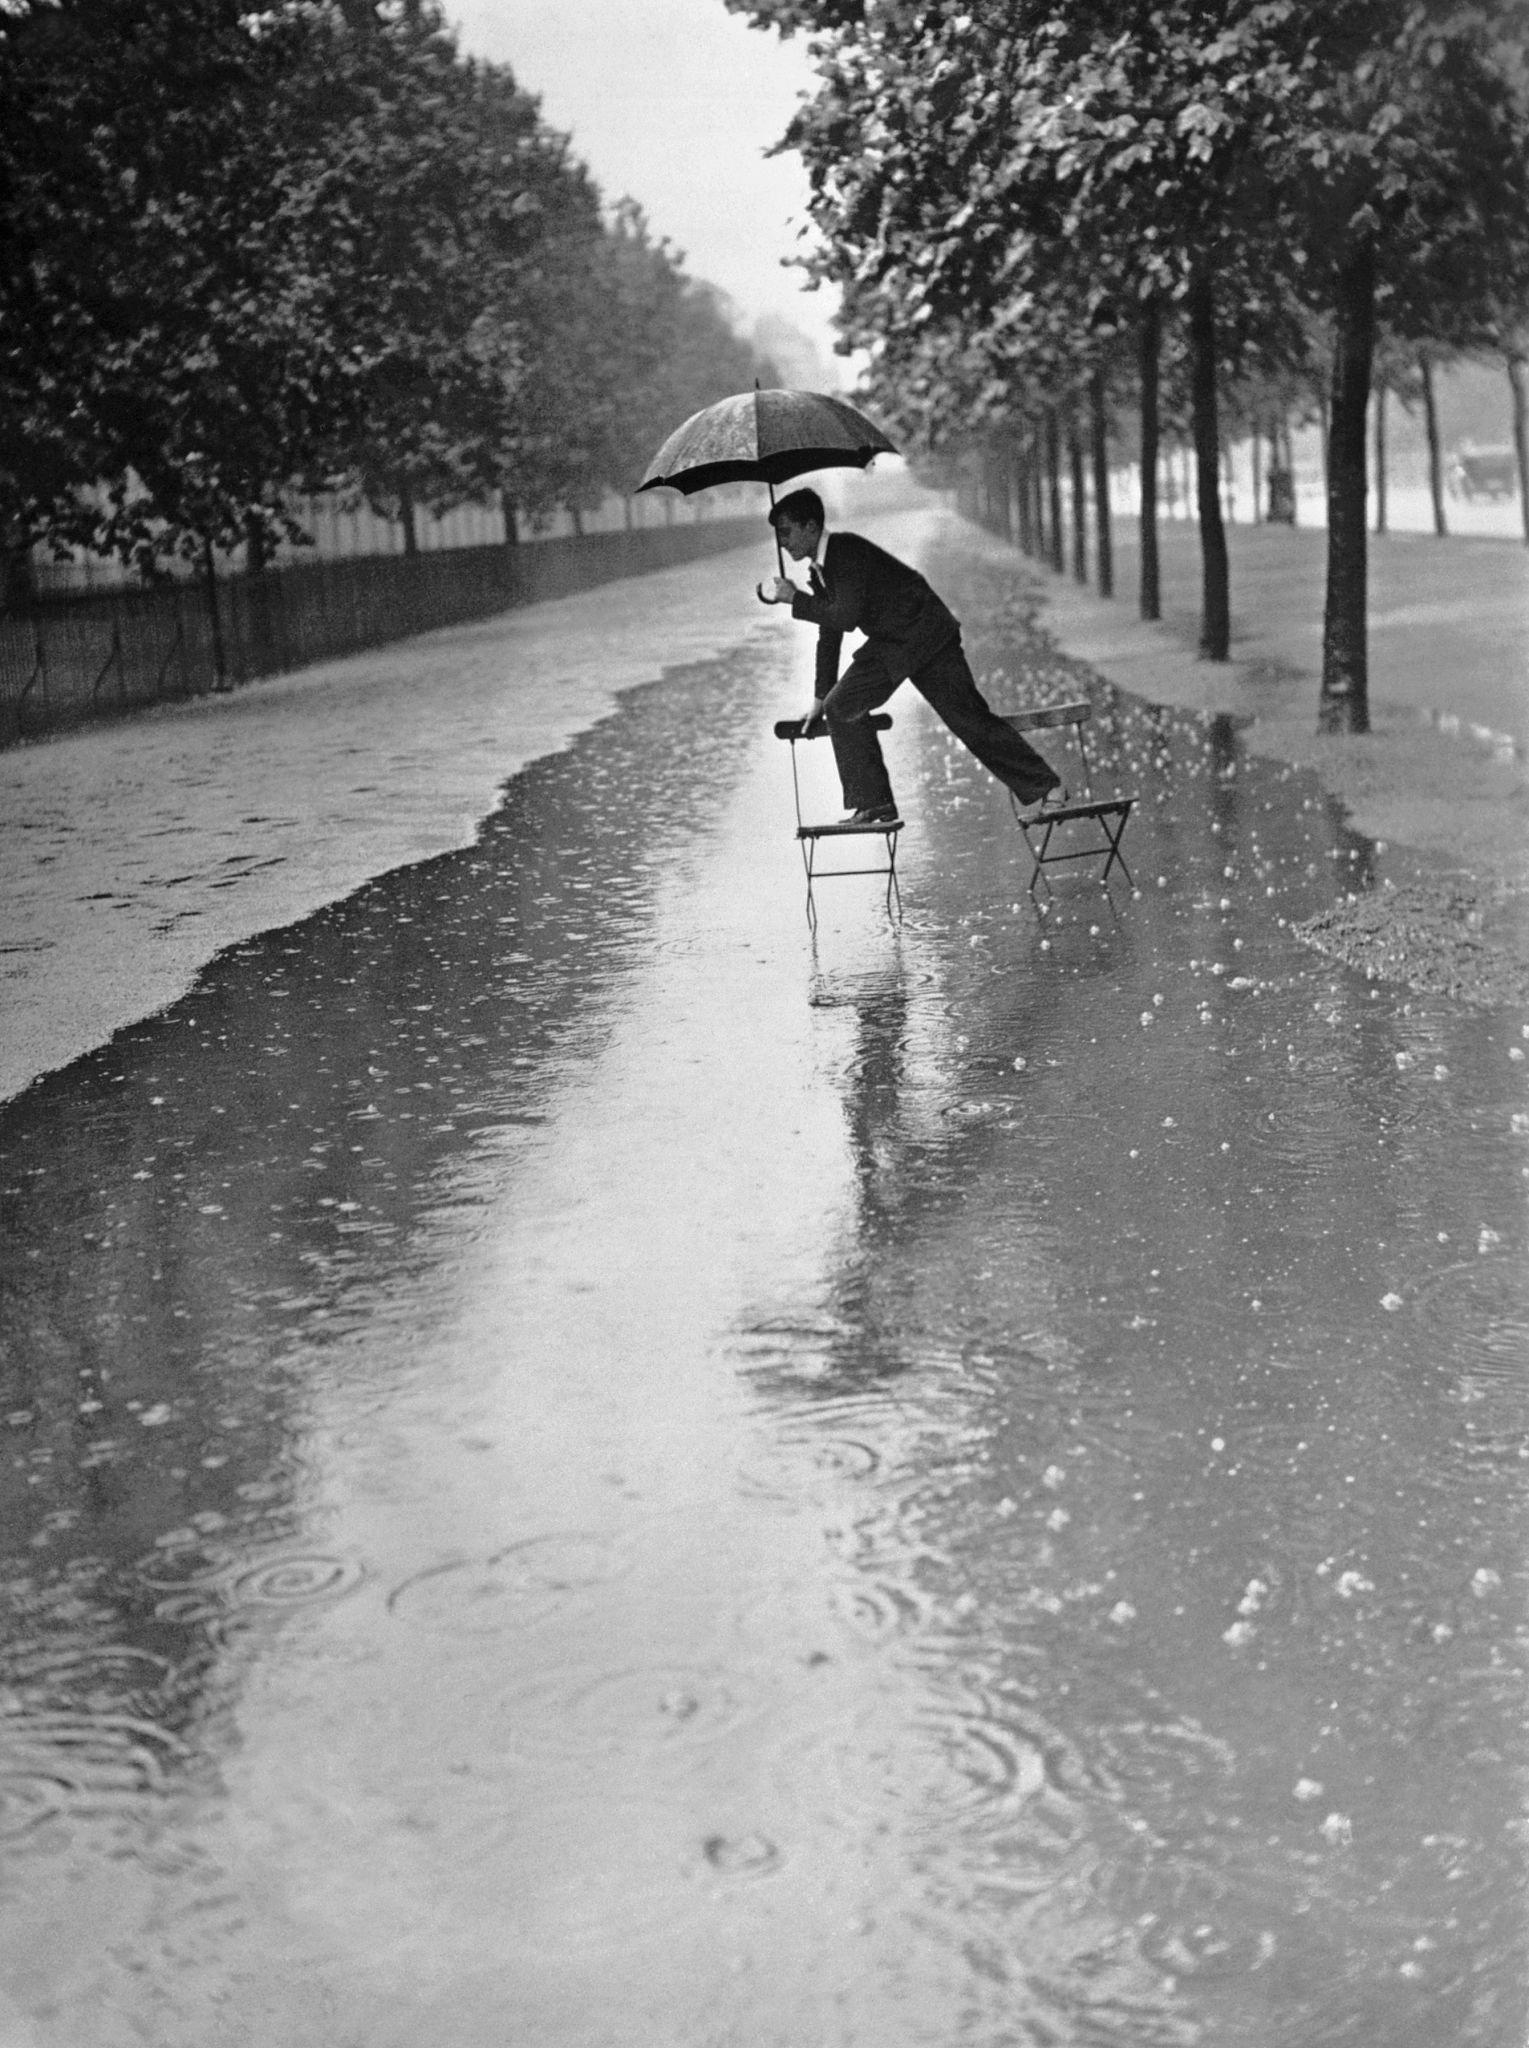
(585, 1466)
(135, 851)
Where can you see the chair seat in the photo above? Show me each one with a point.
(846, 830)
(1098, 807)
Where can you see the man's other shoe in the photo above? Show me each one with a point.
(873, 814)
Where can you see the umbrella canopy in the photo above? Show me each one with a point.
(764, 437)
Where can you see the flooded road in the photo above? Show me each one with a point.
(584, 1467)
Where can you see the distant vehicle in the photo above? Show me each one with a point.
(1483, 473)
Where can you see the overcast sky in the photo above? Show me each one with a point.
(674, 102)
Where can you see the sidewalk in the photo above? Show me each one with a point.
(1443, 768)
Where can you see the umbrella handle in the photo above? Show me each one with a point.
(780, 560)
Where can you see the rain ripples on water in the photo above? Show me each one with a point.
(953, 1483)
(510, 1590)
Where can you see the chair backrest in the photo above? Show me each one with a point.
(1076, 715)
(1051, 714)
(792, 728)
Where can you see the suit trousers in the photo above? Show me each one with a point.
(947, 685)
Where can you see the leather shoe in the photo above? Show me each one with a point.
(873, 814)
(1053, 800)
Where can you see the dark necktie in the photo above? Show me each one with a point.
(815, 578)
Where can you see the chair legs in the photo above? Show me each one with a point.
(808, 837)
(1111, 817)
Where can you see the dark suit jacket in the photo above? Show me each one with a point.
(866, 590)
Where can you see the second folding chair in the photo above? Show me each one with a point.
(1103, 818)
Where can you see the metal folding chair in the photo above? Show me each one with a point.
(810, 837)
(1109, 814)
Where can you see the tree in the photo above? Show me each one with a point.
(1033, 170)
(1510, 322)
(247, 254)
(1062, 176)
(1403, 176)
(417, 194)
(135, 318)
(1516, 356)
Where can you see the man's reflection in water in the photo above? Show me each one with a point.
(875, 1083)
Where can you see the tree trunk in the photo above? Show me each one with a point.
(510, 514)
(576, 514)
(261, 636)
(1099, 432)
(1289, 440)
(1257, 453)
(1380, 457)
(18, 584)
(1435, 457)
(1054, 490)
(1215, 596)
(1344, 705)
(406, 520)
(1038, 491)
(1517, 367)
(1149, 341)
(1079, 500)
(1024, 528)
(214, 615)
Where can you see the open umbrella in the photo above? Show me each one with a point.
(764, 437)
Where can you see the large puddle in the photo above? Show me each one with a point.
(586, 1468)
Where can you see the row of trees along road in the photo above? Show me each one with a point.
(250, 255)
(1038, 210)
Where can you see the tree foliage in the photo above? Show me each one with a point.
(1004, 189)
(131, 323)
(245, 255)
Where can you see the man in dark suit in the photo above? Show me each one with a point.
(910, 635)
